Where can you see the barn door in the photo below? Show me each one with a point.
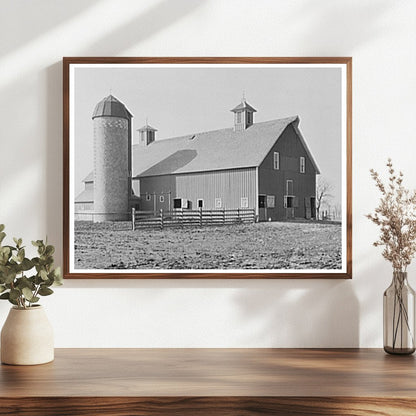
(313, 207)
(308, 212)
(290, 202)
(262, 208)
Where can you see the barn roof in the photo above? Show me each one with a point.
(111, 107)
(87, 195)
(244, 105)
(147, 127)
(89, 177)
(212, 150)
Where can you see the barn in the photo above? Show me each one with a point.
(263, 166)
(266, 167)
(84, 202)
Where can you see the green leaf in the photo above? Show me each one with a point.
(5, 295)
(2, 288)
(15, 294)
(47, 260)
(43, 274)
(2, 236)
(38, 280)
(27, 293)
(2, 227)
(58, 281)
(5, 250)
(4, 255)
(24, 282)
(45, 291)
(37, 243)
(49, 250)
(18, 242)
(21, 255)
(26, 264)
(8, 277)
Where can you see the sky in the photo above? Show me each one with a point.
(184, 100)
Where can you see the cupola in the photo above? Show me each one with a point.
(243, 115)
(147, 134)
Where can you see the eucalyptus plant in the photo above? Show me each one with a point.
(24, 280)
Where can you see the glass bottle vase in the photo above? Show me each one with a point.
(399, 316)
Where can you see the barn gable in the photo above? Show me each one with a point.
(87, 195)
(209, 151)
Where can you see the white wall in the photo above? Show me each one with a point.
(380, 35)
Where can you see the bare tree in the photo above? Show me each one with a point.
(323, 193)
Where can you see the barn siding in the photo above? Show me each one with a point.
(273, 182)
(152, 187)
(229, 185)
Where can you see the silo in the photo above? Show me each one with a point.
(112, 160)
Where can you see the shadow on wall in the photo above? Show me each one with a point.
(336, 18)
(40, 16)
(161, 15)
(300, 313)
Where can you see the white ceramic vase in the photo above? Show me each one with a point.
(27, 337)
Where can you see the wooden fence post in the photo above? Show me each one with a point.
(133, 218)
(223, 215)
(161, 219)
(200, 216)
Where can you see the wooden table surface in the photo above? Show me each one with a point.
(212, 382)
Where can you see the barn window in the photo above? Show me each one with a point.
(291, 201)
(276, 161)
(200, 203)
(161, 198)
(249, 117)
(148, 197)
(244, 202)
(177, 203)
(289, 187)
(270, 201)
(218, 203)
(302, 164)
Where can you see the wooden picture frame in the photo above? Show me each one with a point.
(255, 176)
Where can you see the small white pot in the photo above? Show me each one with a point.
(27, 337)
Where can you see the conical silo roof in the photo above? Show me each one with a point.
(111, 107)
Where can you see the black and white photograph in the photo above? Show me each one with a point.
(207, 169)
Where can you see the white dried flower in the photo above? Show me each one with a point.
(396, 217)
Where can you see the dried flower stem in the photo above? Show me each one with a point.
(396, 217)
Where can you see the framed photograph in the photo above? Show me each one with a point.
(207, 168)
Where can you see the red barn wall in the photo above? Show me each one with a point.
(273, 182)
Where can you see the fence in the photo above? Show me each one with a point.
(190, 218)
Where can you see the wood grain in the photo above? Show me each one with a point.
(67, 61)
(207, 406)
(212, 381)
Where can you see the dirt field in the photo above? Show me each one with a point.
(275, 245)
